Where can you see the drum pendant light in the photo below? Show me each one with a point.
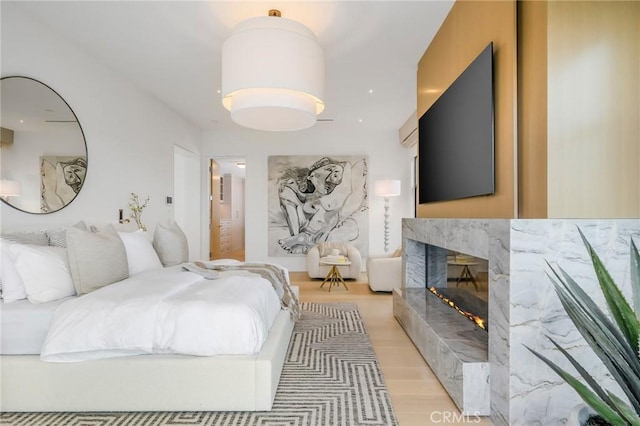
(273, 74)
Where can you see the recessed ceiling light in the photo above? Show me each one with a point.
(218, 91)
(359, 120)
(370, 90)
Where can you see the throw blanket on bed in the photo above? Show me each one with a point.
(167, 311)
(275, 274)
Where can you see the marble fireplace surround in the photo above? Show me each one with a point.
(523, 308)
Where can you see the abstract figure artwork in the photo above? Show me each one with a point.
(314, 199)
(61, 180)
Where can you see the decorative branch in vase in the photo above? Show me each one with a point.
(136, 209)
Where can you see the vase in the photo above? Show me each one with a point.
(580, 414)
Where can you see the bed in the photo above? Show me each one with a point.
(145, 379)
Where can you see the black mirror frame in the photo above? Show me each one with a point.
(84, 139)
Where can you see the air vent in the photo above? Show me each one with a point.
(408, 133)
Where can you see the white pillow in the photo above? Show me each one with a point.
(12, 285)
(44, 272)
(141, 255)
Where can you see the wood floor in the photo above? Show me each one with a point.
(417, 396)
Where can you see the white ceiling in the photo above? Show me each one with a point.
(171, 49)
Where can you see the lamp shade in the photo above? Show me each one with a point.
(386, 188)
(10, 188)
(273, 75)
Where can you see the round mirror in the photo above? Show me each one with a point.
(43, 152)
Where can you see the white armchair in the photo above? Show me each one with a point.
(384, 272)
(315, 270)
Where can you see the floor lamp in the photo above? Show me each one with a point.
(386, 189)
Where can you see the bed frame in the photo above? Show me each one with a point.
(149, 382)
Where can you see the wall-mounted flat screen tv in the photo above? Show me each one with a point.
(456, 137)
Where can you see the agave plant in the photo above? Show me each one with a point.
(614, 339)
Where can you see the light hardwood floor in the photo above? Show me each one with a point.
(417, 396)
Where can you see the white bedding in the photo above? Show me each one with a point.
(168, 311)
(24, 325)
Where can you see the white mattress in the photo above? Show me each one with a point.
(24, 325)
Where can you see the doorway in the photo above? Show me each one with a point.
(227, 211)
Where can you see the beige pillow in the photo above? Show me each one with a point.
(96, 259)
(38, 238)
(171, 244)
(58, 237)
(327, 248)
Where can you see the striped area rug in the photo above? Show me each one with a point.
(330, 378)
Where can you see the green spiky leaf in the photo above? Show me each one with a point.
(585, 375)
(615, 339)
(571, 294)
(635, 278)
(622, 313)
(575, 293)
(585, 393)
(625, 411)
(605, 349)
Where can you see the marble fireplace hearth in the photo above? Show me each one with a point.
(454, 347)
(492, 373)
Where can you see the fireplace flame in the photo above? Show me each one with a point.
(479, 321)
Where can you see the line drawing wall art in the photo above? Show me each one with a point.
(61, 178)
(313, 199)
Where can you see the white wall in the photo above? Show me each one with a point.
(387, 160)
(186, 197)
(130, 136)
